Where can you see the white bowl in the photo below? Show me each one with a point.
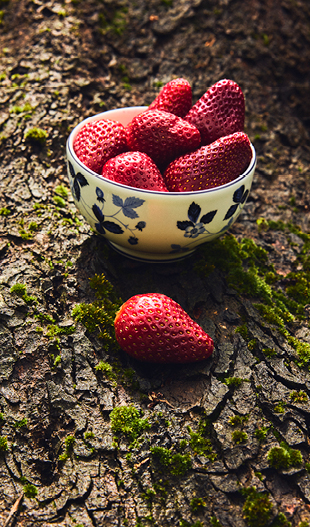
(149, 225)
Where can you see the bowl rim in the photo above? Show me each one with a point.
(99, 116)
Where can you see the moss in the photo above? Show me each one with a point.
(215, 522)
(59, 201)
(20, 290)
(201, 445)
(22, 109)
(238, 420)
(4, 444)
(4, 211)
(175, 463)
(239, 437)
(279, 408)
(36, 135)
(185, 523)
(30, 491)
(126, 420)
(260, 433)
(106, 369)
(281, 521)
(243, 331)
(257, 507)
(197, 504)
(99, 316)
(246, 269)
(54, 331)
(62, 191)
(233, 382)
(284, 457)
(299, 397)
(21, 423)
(269, 352)
(69, 444)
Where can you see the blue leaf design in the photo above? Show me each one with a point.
(100, 195)
(129, 212)
(98, 213)
(99, 228)
(237, 197)
(231, 211)
(207, 218)
(182, 225)
(133, 240)
(133, 202)
(77, 190)
(81, 179)
(193, 212)
(245, 196)
(71, 169)
(117, 201)
(113, 227)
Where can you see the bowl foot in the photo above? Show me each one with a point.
(141, 256)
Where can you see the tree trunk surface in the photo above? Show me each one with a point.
(223, 442)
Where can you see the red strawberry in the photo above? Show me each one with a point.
(210, 166)
(175, 97)
(162, 136)
(98, 141)
(219, 112)
(134, 169)
(154, 328)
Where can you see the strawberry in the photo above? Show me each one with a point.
(98, 141)
(175, 97)
(162, 136)
(154, 328)
(210, 166)
(219, 112)
(134, 169)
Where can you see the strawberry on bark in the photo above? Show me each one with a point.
(175, 97)
(154, 328)
(134, 169)
(219, 112)
(162, 136)
(210, 166)
(98, 141)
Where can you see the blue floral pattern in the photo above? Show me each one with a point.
(195, 226)
(95, 213)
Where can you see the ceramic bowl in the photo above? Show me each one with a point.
(149, 225)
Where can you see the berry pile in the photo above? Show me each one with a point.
(173, 146)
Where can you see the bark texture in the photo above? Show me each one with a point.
(228, 439)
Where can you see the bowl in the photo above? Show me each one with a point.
(150, 225)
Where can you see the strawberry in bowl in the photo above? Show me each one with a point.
(167, 189)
